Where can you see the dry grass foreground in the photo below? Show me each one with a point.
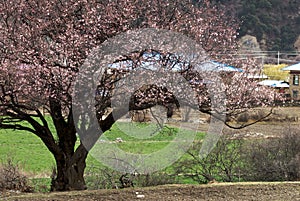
(217, 191)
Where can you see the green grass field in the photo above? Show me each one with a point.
(32, 156)
(25, 149)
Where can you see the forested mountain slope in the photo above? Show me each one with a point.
(275, 23)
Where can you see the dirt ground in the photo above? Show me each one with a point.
(278, 123)
(287, 191)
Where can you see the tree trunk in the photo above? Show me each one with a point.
(70, 165)
(70, 171)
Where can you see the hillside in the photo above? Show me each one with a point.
(275, 23)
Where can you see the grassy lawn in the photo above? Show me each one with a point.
(25, 149)
(32, 157)
(149, 141)
(29, 152)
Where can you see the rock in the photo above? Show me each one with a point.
(297, 44)
(140, 196)
(249, 43)
(119, 140)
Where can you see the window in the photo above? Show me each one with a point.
(296, 80)
(295, 94)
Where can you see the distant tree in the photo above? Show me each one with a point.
(45, 42)
(274, 72)
(269, 21)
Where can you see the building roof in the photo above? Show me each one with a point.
(257, 76)
(218, 67)
(274, 83)
(292, 67)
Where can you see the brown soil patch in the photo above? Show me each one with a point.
(266, 129)
(218, 191)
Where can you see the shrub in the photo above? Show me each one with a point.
(106, 178)
(101, 178)
(274, 159)
(154, 179)
(222, 164)
(12, 179)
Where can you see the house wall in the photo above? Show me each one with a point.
(295, 85)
